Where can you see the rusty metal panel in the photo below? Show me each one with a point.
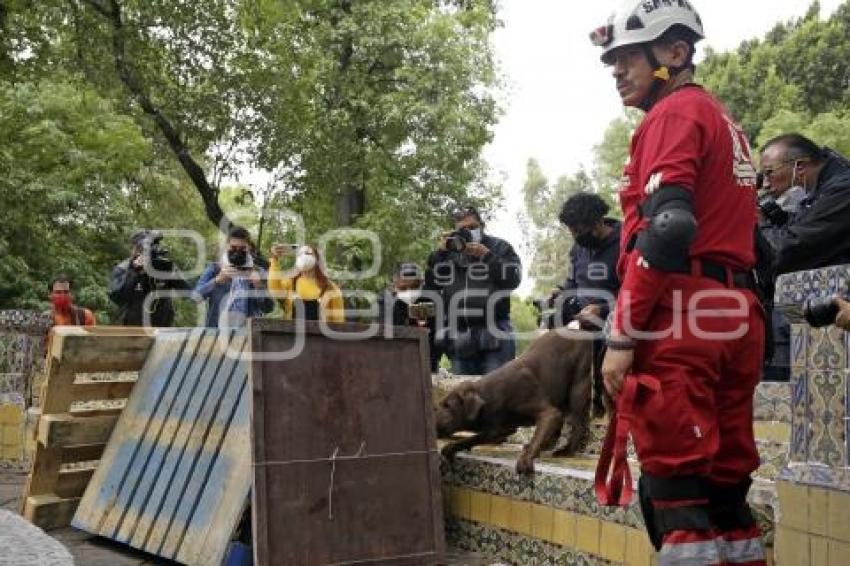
(176, 474)
(345, 463)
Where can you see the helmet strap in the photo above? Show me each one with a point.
(662, 76)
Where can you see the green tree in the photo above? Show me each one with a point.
(550, 242)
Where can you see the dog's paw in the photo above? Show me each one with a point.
(449, 452)
(525, 465)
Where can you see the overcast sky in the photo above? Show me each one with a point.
(559, 98)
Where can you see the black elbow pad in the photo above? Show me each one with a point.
(666, 241)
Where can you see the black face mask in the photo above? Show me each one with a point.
(237, 258)
(588, 241)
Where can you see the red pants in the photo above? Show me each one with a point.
(705, 423)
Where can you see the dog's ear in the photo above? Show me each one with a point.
(472, 404)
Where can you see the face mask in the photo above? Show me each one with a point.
(61, 301)
(587, 241)
(790, 200)
(237, 258)
(476, 235)
(410, 296)
(305, 262)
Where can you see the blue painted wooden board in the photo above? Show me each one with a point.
(176, 474)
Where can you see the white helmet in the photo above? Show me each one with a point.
(645, 21)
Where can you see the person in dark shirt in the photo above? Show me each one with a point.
(805, 218)
(589, 292)
(474, 274)
(814, 183)
(140, 284)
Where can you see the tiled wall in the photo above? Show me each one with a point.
(551, 517)
(813, 524)
(22, 335)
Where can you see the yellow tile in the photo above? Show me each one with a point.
(10, 452)
(639, 551)
(11, 435)
(461, 503)
(792, 547)
(10, 414)
(480, 507)
(542, 522)
(839, 516)
(818, 550)
(587, 534)
(773, 431)
(563, 528)
(818, 514)
(612, 541)
(839, 553)
(521, 517)
(793, 506)
(500, 512)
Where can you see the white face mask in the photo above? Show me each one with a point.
(305, 262)
(790, 200)
(410, 296)
(476, 235)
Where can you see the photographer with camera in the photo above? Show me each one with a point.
(234, 288)
(467, 269)
(148, 269)
(806, 209)
(405, 305)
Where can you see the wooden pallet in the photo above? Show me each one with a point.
(176, 475)
(69, 440)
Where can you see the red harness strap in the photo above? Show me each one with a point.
(618, 490)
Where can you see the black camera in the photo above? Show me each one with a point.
(457, 240)
(771, 210)
(555, 312)
(821, 311)
(160, 256)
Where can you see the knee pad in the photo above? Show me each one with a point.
(673, 504)
(728, 506)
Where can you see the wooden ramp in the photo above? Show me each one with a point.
(176, 475)
(70, 434)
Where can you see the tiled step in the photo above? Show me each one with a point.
(551, 517)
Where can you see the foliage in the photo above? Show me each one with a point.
(550, 242)
(369, 114)
(524, 321)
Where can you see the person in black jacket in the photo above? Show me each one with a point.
(474, 274)
(806, 220)
(592, 286)
(813, 185)
(593, 280)
(147, 270)
(406, 305)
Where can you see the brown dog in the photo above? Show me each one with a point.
(548, 384)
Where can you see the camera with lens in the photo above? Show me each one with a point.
(160, 256)
(771, 210)
(821, 311)
(555, 312)
(457, 240)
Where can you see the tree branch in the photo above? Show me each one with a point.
(130, 78)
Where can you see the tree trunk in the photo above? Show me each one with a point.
(133, 83)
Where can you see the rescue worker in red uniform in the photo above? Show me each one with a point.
(685, 348)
